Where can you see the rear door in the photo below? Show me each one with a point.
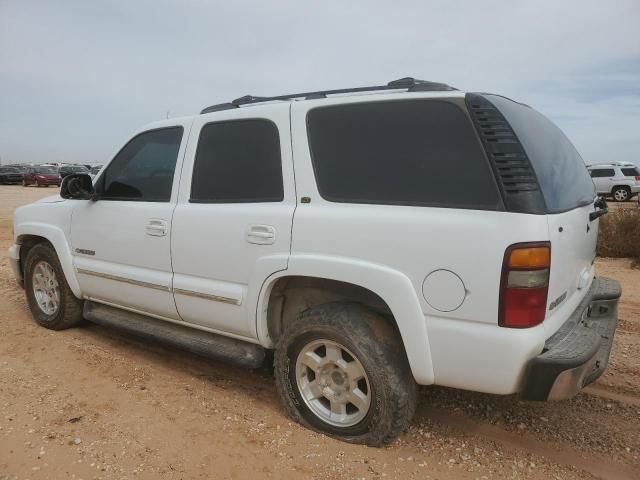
(602, 179)
(569, 197)
(232, 224)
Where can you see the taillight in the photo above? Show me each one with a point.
(637, 177)
(524, 284)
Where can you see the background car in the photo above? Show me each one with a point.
(69, 169)
(10, 175)
(41, 176)
(619, 180)
(95, 170)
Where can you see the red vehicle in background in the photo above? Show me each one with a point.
(41, 177)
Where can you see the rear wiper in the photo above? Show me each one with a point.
(601, 205)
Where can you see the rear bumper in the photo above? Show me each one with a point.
(578, 353)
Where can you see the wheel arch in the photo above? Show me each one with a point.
(623, 186)
(30, 234)
(323, 279)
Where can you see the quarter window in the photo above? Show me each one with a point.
(238, 162)
(602, 172)
(406, 152)
(630, 172)
(143, 170)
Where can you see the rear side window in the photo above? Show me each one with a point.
(630, 172)
(238, 162)
(418, 152)
(602, 172)
(561, 172)
(143, 170)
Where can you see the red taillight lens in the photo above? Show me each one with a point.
(524, 285)
(637, 177)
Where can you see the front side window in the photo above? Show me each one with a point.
(407, 152)
(143, 170)
(602, 172)
(238, 162)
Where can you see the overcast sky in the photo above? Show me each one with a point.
(77, 77)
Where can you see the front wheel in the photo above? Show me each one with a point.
(341, 370)
(621, 194)
(51, 301)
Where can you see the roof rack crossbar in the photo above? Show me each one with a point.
(409, 83)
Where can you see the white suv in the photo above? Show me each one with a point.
(374, 238)
(619, 180)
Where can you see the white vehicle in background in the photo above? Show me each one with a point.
(427, 237)
(619, 180)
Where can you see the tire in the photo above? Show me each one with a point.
(621, 194)
(365, 341)
(41, 262)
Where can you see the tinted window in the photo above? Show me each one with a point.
(562, 175)
(238, 162)
(143, 170)
(630, 172)
(602, 172)
(45, 170)
(422, 152)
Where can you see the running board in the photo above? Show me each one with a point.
(206, 344)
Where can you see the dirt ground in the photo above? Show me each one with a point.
(90, 403)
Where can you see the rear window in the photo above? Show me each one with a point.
(630, 172)
(561, 172)
(602, 172)
(418, 152)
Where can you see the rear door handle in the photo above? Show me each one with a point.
(261, 234)
(156, 227)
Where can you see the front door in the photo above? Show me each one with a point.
(232, 224)
(121, 241)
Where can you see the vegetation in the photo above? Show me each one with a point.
(620, 231)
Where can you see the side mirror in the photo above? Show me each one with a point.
(77, 186)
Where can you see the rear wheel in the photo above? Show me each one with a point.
(341, 370)
(621, 194)
(51, 301)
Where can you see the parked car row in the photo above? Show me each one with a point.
(42, 175)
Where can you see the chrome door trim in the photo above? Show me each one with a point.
(207, 296)
(130, 281)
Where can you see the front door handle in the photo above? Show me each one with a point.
(261, 234)
(156, 227)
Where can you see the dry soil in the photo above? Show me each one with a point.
(90, 403)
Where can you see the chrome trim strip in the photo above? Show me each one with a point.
(207, 296)
(130, 281)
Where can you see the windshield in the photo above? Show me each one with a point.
(8, 170)
(78, 168)
(46, 170)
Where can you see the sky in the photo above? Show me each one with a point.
(78, 77)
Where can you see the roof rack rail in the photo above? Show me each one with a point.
(612, 164)
(411, 84)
